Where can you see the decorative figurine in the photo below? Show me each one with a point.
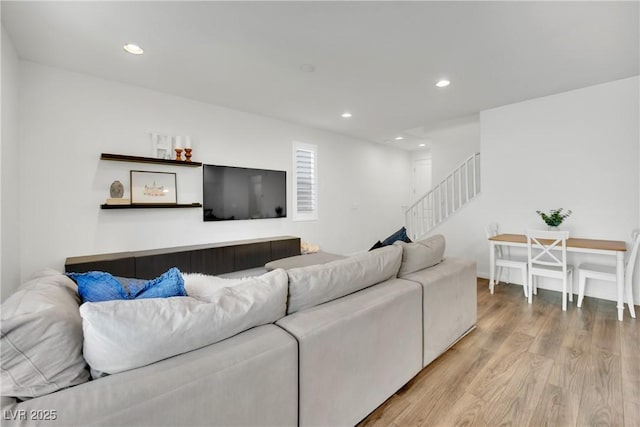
(116, 191)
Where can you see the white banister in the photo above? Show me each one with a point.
(446, 196)
(433, 207)
(459, 187)
(473, 163)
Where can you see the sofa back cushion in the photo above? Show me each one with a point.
(41, 337)
(422, 254)
(126, 334)
(317, 284)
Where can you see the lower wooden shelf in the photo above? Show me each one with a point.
(153, 206)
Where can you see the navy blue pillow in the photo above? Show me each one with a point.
(376, 245)
(398, 235)
(95, 286)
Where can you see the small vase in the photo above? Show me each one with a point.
(553, 227)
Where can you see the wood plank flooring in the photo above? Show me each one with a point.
(528, 365)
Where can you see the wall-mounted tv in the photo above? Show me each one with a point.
(231, 193)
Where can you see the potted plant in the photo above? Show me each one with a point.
(554, 218)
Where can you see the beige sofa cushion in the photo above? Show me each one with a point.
(126, 334)
(419, 255)
(317, 284)
(41, 337)
(303, 260)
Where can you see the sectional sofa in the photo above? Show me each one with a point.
(321, 345)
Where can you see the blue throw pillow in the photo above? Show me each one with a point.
(170, 284)
(95, 286)
(376, 245)
(398, 235)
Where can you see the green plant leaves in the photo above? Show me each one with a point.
(555, 216)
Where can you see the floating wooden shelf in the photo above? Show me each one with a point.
(153, 206)
(137, 159)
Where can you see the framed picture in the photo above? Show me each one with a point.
(152, 188)
(161, 146)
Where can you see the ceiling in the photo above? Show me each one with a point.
(378, 60)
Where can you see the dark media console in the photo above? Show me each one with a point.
(214, 258)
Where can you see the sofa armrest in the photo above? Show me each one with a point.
(356, 351)
(450, 303)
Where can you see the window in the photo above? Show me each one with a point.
(305, 182)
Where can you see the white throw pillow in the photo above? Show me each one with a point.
(317, 284)
(422, 254)
(125, 334)
(200, 285)
(42, 337)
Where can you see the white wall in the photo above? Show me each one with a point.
(68, 119)
(421, 154)
(452, 144)
(577, 150)
(9, 154)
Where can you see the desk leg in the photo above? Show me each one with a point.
(620, 282)
(492, 265)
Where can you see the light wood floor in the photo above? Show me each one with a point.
(528, 365)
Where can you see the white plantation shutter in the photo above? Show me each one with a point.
(305, 181)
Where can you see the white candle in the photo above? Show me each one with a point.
(187, 142)
(178, 142)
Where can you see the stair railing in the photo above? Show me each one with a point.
(445, 198)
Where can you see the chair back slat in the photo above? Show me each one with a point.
(633, 255)
(541, 243)
(492, 230)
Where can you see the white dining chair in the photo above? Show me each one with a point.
(608, 273)
(504, 260)
(541, 245)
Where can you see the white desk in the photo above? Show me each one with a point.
(590, 246)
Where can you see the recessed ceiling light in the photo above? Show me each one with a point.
(443, 83)
(346, 115)
(423, 145)
(399, 138)
(133, 49)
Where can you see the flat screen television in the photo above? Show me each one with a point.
(233, 193)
